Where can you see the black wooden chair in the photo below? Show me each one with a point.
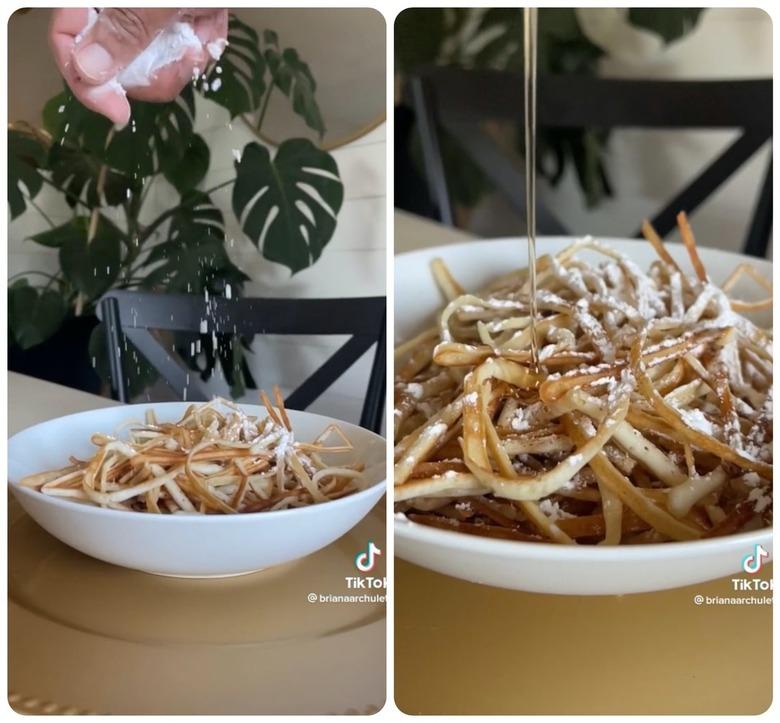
(460, 101)
(136, 315)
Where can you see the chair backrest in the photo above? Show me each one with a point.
(460, 101)
(137, 315)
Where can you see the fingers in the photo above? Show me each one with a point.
(168, 83)
(210, 27)
(108, 100)
(66, 24)
(91, 49)
(118, 36)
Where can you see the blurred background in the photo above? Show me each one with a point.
(593, 180)
(345, 51)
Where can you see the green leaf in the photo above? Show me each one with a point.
(77, 173)
(509, 23)
(193, 256)
(189, 170)
(173, 129)
(92, 267)
(155, 130)
(71, 123)
(192, 265)
(26, 155)
(419, 35)
(293, 77)
(288, 205)
(195, 216)
(158, 134)
(270, 37)
(669, 23)
(139, 373)
(57, 237)
(34, 315)
(242, 67)
(79, 151)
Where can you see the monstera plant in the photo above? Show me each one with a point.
(287, 201)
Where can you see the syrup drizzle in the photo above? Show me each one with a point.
(529, 85)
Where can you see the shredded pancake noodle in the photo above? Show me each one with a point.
(215, 459)
(648, 420)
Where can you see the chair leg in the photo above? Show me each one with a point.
(431, 149)
(374, 405)
(761, 226)
(110, 309)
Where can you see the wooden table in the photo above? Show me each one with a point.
(462, 648)
(86, 636)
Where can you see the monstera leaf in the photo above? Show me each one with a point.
(192, 265)
(156, 137)
(196, 219)
(78, 173)
(288, 205)
(196, 215)
(92, 266)
(293, 77)
(34, 314)
(237, 81)
(669, 23)
(57, 237)
(26, 154)
(187, 171)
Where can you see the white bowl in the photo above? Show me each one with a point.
(185, 545)
(547, 567)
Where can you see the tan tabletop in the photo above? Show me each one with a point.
(462, 648)
(415, 232)
(86, 636)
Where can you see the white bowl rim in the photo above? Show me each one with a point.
(249, 516)
(509, 548)
(606, 240)
(587, 553)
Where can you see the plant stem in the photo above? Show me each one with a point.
(145, 191)
(163, 217)
(32, 273)
(159, 221)
(41, 211)
(211, 190)
(264, 107)
(101, 183)
(65, 193)
(51, 280)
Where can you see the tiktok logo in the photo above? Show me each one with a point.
(752, 563)
(366, 559)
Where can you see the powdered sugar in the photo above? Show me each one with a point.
(553, 510)
(760, 499)
(695, 419)
(168, 46)
(414, 390)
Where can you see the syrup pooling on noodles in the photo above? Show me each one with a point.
(215, 459)
(649, 420)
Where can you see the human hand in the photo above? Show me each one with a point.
(111, 59)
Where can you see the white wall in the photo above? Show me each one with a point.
(353, 264)
(648, 167)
